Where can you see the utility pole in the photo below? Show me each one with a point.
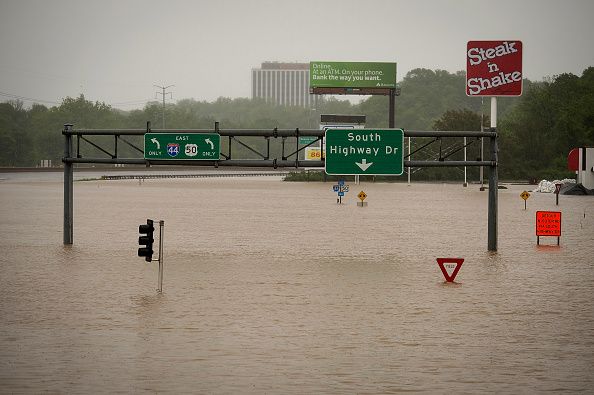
(163, 94)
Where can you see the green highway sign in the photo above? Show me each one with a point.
(307, 139)
(352, 75)
(184, 146)
(364, 151)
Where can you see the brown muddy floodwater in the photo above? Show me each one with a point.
(272, 288)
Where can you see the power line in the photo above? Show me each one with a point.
(34, 100)
(24, 98)
(163, 94)
(132, 102)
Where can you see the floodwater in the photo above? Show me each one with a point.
(271, 287)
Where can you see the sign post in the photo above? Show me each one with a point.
(493, 68)
(525, 195)
(557, 190)
(340, 189)
(364, 151)
(362, 195)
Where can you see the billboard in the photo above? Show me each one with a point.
(352, 75)
(494, 68)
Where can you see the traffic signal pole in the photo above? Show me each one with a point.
(146, 240)
(160, 279)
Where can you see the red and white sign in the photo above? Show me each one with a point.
(548, 223)
(494, 68)
(450, 267)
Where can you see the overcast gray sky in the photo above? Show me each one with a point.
(115, 50)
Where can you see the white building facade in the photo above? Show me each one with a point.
(285, 84)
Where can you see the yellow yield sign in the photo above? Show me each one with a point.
(362, 195)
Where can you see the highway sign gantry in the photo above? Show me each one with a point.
(364, 151)
(184, 146)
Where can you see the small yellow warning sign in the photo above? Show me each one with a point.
(362, 195)
(525, 195)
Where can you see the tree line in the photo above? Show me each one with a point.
(537, 130)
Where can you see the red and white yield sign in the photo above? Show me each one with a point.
(494, 68)
(450, 267)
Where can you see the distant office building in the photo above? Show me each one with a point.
(285, 84)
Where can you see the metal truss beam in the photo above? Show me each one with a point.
(226, 160)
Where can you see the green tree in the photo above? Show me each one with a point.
(463, 119)
(16, 139)
(536, 130)
(551, 118)
(425, 96)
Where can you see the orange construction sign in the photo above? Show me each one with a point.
(548, 223)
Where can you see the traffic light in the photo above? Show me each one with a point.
(146, 239)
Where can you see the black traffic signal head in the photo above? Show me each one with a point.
(146, 239)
